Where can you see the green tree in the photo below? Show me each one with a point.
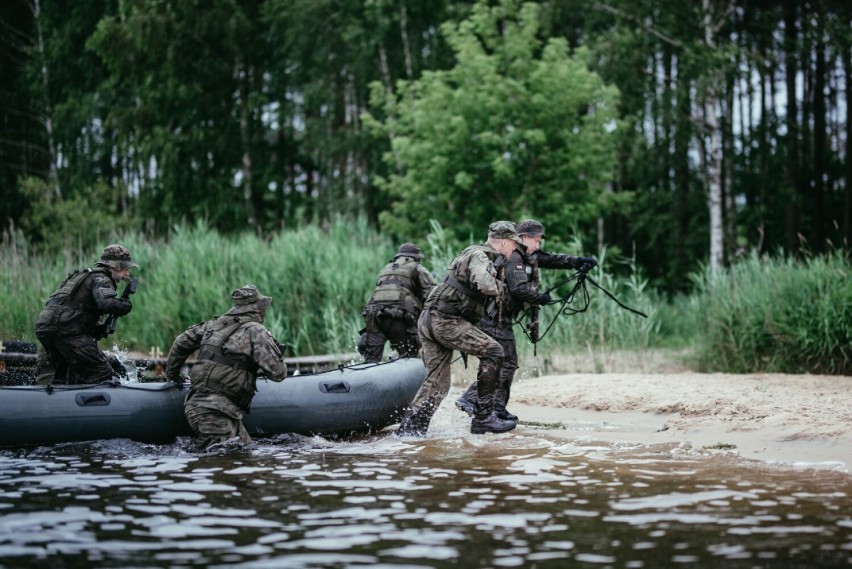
(517, 127)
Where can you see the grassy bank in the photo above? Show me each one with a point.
(760, 315)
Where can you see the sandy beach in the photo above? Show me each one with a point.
(790, 420)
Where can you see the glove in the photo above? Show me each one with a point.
(117, 367)
(544, 298)
(585, 263)
(282, 347)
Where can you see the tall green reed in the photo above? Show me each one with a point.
(777, 314)
(319, 279)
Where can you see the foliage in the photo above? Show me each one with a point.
(778, 315)
(319, 280)
(81, 221)
(517, 127)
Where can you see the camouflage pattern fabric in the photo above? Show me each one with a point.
(213, 398)
(394, 306)
(445, 326)
(67, 327)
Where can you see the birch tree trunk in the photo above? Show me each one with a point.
(713, 132)
(47, 118)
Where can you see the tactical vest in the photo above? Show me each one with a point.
(71, 309)
(457, 295)
(395, 287)
(238, 380)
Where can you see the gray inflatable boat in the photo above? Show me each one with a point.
(361, 398)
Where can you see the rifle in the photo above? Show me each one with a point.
(112, 319)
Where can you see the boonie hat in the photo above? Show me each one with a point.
(503, 230)
(249, 294)
(531, 227)
(409, 250)
(117, 257)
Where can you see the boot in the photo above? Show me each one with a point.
(501, 396)
(467, 402)
(486, 420)
(414, 423)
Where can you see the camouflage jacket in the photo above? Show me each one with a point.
(233, 348)
(472, 278)
(82, 298)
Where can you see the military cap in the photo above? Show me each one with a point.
(249, 295)
(409, 250)
(503, 230)
(531, 227)
(117, 257)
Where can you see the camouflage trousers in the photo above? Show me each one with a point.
(383, 327)
(440, 335)
(506, 338)
(214, 419)
(71, 359)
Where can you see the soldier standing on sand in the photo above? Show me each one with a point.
(392, 311)
(68, 326)
(234, 347)
(447, 323)
(521, 278)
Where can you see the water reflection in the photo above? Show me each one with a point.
(452, 500)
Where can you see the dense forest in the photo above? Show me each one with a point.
(682, 134)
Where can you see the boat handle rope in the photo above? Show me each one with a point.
(581, 289)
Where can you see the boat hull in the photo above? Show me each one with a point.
(355, 399)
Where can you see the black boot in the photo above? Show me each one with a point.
(501, 396)
(467, 402)
(415, 423)
(486, 420)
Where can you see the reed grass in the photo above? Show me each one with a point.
(777, 315)
(319, 279)
(762, 314)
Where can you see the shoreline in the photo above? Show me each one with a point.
(790, 420)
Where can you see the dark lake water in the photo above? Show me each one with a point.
(450, 500)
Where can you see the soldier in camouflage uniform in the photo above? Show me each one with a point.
(233, 347)
(521, 277)
(392, 311)
(68, 326)
(447, 323)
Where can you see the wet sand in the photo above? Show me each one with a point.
(655, 398)
(801, 420)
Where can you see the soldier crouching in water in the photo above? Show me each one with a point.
(392, 311)
(447, 323)
(67, 327)
(233, 348)
(521, 278)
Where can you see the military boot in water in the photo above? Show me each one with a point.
(414, 424)
(486, 419)
(490, 424)
(467, 402)
(500, 398)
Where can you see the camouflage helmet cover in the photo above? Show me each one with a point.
(410, 250)
(503, 230)
(249, 294)
(117, 257)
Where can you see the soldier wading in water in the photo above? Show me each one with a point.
(448, 322)
(232, 349)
